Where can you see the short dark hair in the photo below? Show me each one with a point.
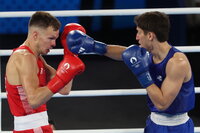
(44, 20)
(157, 22)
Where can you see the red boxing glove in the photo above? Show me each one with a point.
(69, 67)
(69, 27)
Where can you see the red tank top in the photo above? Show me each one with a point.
(16, 96)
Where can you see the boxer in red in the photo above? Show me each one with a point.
(31, 82)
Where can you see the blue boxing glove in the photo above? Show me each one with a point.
(137, 59)
(80, 43)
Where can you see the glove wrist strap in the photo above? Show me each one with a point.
(55, 84)
(100, 47)
(145, 79)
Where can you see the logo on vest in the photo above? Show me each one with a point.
(159, 78)
(41, 71)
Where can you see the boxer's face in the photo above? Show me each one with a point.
(47, 39)
(141, 37)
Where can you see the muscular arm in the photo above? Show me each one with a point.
(115, 52)
(27, 70)
(177, 72)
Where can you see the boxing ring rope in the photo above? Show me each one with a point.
(185, 49)
(109, 12)
(113, 92)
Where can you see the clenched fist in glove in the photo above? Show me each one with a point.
(69, 67)
(79, 43)
(69, 27)
(137, 60)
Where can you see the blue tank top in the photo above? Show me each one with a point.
(185, 99)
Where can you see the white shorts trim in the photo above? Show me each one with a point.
(30, 121)
(168, 119)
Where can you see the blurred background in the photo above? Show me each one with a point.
(101, 72)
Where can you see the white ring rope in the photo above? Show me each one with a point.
(108, 12)
(125, 130)
(113, 92)
(186, 49)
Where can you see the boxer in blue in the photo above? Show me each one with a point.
(162, 69)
